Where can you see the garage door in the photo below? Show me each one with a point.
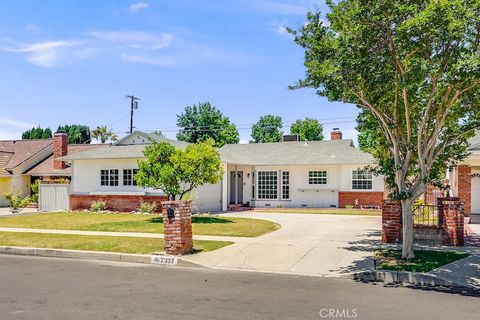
(475, 194)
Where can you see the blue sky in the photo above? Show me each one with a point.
(65, 62)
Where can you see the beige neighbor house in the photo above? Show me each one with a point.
(24, 161)
(285, 174)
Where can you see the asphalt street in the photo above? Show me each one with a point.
(52, 288)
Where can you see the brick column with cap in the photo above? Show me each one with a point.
(450, 210)
(60, 149)
(177, 222)
(391, 221)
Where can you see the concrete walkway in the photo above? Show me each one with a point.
(307, 244)
(465, 272)
(120, 234)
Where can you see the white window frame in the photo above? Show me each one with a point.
(318, 177)
(110, 180)
(259, 194)
(283, 185)
(131, 179)
(368, 179)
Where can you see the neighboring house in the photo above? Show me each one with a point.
(285, 174)
(24, 161)
(465, 178)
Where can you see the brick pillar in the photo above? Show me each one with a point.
(391, 221)
(450, 211)
(60, 149)
(177, 222)
(465, 187)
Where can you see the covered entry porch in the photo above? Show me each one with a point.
(239, 187)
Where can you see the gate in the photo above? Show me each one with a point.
(53, 197)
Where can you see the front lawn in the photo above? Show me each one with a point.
(339, 211)
(202, 224)
(425, 260)
(97, 243)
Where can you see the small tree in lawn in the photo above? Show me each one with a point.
(413, 68)
(177, 171)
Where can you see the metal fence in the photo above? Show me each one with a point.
(426, 215)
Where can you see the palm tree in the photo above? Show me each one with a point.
(103, 134)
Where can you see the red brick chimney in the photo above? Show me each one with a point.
(60, 149)
(336, 134)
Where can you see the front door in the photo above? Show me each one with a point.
(236, 185)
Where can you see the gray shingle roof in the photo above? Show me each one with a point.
(295, 153)
(134, 151)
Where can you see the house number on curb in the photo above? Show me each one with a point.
(171, 261)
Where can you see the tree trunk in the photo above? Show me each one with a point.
(407, 225)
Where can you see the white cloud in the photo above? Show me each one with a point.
(44, 54)
(135, 7)
(16, 124)
(136, 39)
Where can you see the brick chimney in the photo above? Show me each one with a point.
(336, 134)
(60, 149)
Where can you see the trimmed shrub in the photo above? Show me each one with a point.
(97, 206)
(16, 202)
(147, 207)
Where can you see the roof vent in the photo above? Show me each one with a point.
(290, 137)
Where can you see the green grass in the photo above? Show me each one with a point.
(339, 211)
(424, 261)
(202, 224)
(97, 243)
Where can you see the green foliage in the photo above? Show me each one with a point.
(34, 191)
(267, 129)
(103, 134)
(201, 122)
(308, 129)
(37, 133)
(414, 71)
(98, 206)
(147, 207)
(16, 202)
(178, 171)
(77, 134)
(349, 206)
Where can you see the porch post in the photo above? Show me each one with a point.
(236, 184)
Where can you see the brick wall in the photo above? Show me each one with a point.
(391, 221)
(177, 225)
(364, 198)
(121, 203)
(465, 187)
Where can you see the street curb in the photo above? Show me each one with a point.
(400, 277)
(91, 255)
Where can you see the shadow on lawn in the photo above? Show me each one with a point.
(197, 220)
(368, 243)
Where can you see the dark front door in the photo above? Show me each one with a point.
(238, 182)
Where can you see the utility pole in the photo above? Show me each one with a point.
(133, 106)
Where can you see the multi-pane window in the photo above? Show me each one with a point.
(285, 185)
(317, 177)
(109, 177)
(267, 185)
(129, 177)
(362, 179)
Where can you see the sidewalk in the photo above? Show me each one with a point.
(464, 272)
(122, 234)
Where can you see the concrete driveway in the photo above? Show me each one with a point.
(306, 244)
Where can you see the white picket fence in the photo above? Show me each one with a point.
(53, 197)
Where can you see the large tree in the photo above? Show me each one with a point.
(77, 134)
(37, 133)
(413, 67)
(267, 129)
(103, 134)
(202, 122)
(308, 129)
(177, 171)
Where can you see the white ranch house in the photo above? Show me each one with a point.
(286, 174)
